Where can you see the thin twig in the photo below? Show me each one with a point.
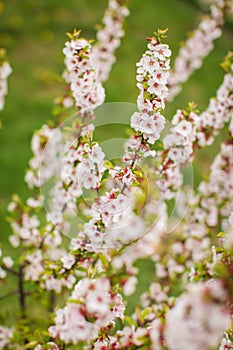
(133, 162)
(8, 269)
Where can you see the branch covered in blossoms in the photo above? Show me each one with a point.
(87, 91)
(198, 46)
(108, 38)
(81, 259)
(192, 131)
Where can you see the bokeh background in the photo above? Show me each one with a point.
(33, 32)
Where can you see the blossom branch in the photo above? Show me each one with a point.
(198, 46)
(191, 131)
(108, 37)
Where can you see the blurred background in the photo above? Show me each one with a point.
(33, 33)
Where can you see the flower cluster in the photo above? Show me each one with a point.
(178, 150)
(5, 71)
(82, 168)
(109, 213)
(6, 263)
(108, 38)
(213, 202)
(198, 46)
(152, 76)
(200, 311)
(25, 223)
(226, 343)
(92, 306)
(50, 345)
(87, 91)
(192, 130)
(209, 2)
(46, 146)
(88, 171)
(218, 112)
(5, 336)
(135, 146)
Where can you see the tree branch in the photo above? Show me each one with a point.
(8, 269)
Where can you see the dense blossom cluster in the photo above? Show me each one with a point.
(114, 216)
(88, 171)
(46, 146)
(5, 71)
(191, 131)
(198, 46)
(152, 76)
(178, 150)
(218, 112)
(200, 311)
(92, 306)
(213, 202)
(209, 2)
(108, 38)
(86, 88)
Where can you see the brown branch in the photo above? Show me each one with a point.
(8, 269)
(52, 299)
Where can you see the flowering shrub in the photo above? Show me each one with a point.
(78, 258)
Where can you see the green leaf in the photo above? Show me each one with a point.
(227, 63)
(157, 146)
(108, 164)
(130, 321)
(31, 344)
(145, 313)
(221, 234)
(103, 259)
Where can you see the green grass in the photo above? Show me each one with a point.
(33, 31)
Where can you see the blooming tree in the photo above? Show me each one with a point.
(102, 215)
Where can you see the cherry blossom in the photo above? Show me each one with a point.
(198, 314)
(108, 38)
(198, 46)
(226, 343)
(87, 91)
(91, 307)
(46, 147)
(84, 250)
(5, 336)
(5, 71)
